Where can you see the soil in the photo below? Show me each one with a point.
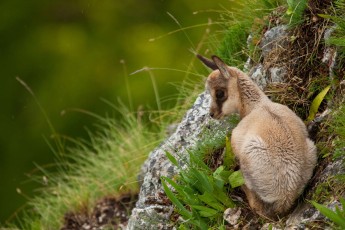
(108, 213)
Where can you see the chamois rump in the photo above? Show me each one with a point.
(271, 142)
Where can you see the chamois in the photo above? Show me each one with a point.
(271, 142)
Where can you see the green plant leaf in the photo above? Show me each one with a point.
(203, 182)
(236, 179)
(289, 11)
(181, 209)
(171, 158)
(205, 211)
(221, 176)
(326, 16)
(316, 103)
(221, 196)
(333, 216)
(184, 191)
(211, 201)
(196, 161)
(229, 157)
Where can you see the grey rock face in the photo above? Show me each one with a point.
(273, 39)
(152, 211)
(269, 71)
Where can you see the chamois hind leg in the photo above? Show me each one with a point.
(256, 204)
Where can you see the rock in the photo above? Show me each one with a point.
(277, 74)
(258, 75)
(305, 213)
(270, 226)
(300, 218)
(232, 215)
(153, 210)
(273, 38)
(270, 70)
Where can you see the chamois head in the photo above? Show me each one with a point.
(222, 85)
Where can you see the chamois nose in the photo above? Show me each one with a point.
(211, 114)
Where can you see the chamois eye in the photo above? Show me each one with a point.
(220, 94)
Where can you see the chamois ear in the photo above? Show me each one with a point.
(223, 68)
(209, 63)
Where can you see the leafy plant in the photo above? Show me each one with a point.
(337, 216)
(200, 195)
(295, 11)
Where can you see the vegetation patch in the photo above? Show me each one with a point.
(201, 195)
(93, 177)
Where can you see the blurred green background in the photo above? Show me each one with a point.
(68, 52)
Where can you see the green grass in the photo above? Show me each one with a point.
(333, 187)
(107, 166)
(246, 17)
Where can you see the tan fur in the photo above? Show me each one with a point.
(271, 142)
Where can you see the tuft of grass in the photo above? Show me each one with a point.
(107, 166)
(245, 18)
(234, 42)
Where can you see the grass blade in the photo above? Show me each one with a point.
(209, 199)
(171, 158)
(205, 211)
(339, 220)
(316, 103)
(182, 210)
